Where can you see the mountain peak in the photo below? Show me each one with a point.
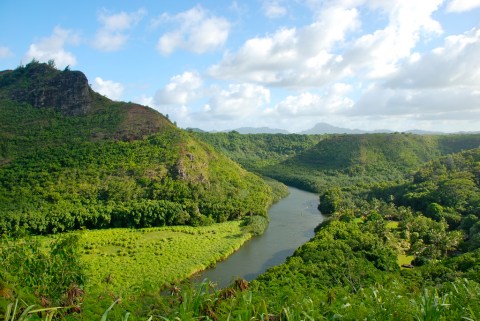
(42, 86)
(324, 128)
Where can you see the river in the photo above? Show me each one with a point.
(292, 221)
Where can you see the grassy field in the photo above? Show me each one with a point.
(129, 260)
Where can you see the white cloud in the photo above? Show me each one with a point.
(307, 104)
(108, 88)
(378, 54)
(323, 51)
(292, 57)
(463, 5)
(273, 9)
(426, 104)
(181, 90)
(238, 101)
(198, 31)
(53, 48)
(456, 64)
(145, 100)
(442, 84)
(5, 52)
(113, 33)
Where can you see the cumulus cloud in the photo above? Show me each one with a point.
(323, 51)
(463, 5)
(455, 64)
(273, 9)
(181, 90)
(53, 48)
(237, 101)
(5, 52)
(292, 57)
(307, 104)
(114, 31)
(337, 69)
(198, 31)
(442, 84)
(380, 52)
(108, 88)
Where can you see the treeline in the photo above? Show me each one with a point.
(256, 151)
(165, 179)
(318, 162)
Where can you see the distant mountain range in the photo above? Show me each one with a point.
(324, 128)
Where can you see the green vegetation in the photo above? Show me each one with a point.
(110, 165)
(319, 162)
(129, 260)
(165, 179)
(124, 263)
(257, 151)
(393, 199)
(350, 269)
(50, 272)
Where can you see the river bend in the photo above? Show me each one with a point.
(292, 221)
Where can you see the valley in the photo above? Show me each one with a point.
(106, 209)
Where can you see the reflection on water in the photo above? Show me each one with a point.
(292, 221)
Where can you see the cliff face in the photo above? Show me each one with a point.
(43, 86)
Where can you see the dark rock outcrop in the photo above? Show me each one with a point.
(43, 86)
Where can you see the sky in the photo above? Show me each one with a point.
(287, 64)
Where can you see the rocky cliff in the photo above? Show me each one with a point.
(41, 85)
(29, 95)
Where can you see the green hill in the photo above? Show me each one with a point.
(361, 160)
(446, 188)
(43, 107)
(317, 162)
(71, 158)
(257, 151)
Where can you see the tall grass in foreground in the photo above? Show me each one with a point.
(452, 301)
(457, 300)
(15, 312)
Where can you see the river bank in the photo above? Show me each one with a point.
(292, 223)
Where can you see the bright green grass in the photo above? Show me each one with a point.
(392, 225)
(128, 260)
(405, 259)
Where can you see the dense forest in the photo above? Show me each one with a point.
(318, 162)
(91, 188)
(108, 166)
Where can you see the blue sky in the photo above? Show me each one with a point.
(215, 65)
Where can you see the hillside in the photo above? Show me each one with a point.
(71, 158)
(360, 160)
(447, 188)
(316, 162)
(256, 151)
(42, 107)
